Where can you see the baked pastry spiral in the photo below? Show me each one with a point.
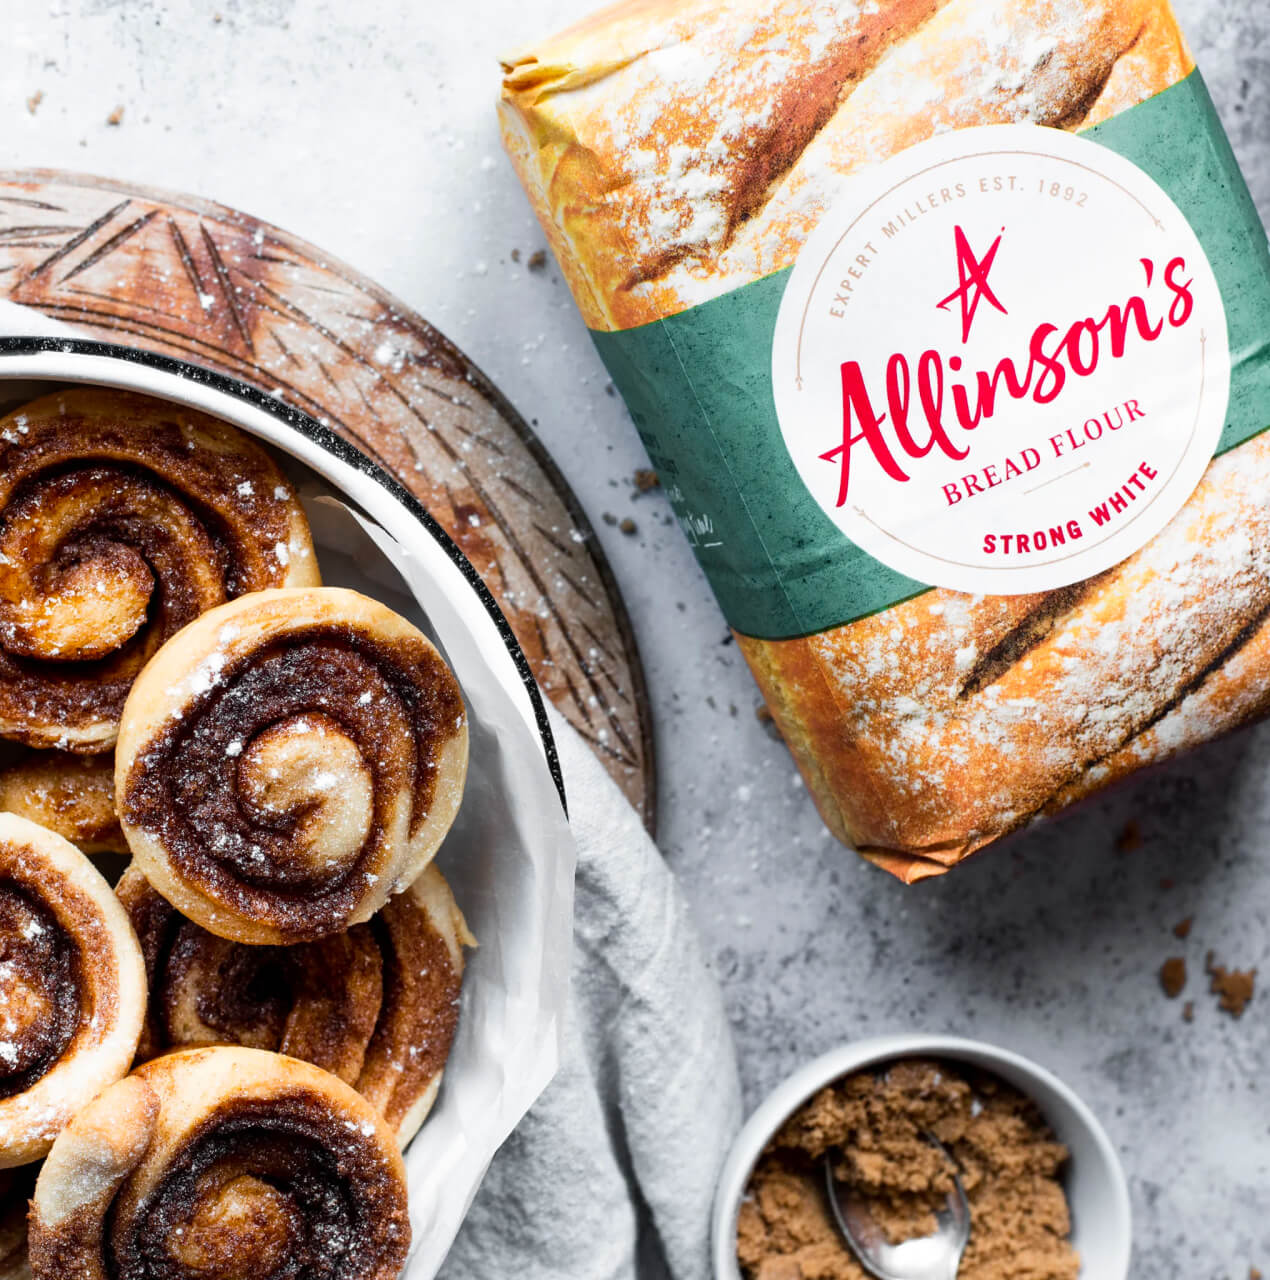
(16, 1186)
(71, 794)
(72, 987)
(122, 518)
(289, 761)
(421, 935)
(221, 1163)
(376, 1006)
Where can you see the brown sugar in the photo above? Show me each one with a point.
(874, 1126)
(1173, 976)
(1234, 987)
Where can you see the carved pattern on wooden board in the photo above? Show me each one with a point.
(203, 283)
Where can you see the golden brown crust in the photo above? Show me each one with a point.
(72, 987)
(208, 1158)
(121, 519)
(675, 151)
(1159, 56)
(376, 1006)
(288, 762)
(70, 794)
(939, 725)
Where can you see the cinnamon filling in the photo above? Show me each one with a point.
(415, 1031)
(377, 1006)
(119, 525)
(99, 568)
(242, 993)
(40, 989)
(281, 1186)
(246, 807)
(73, 795)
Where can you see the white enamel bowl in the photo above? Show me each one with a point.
(509, 856)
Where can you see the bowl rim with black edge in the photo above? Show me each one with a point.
(15, 351)
(58, 362)
(1094, 1181)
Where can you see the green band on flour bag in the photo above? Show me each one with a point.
(1002, 368)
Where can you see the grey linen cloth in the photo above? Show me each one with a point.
(611, 1174)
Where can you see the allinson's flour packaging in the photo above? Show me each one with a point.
(947, 325)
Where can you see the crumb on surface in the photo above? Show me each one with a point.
(1173, 976)
(33, 102)
(1188, 1011)
(115, 118)
(537, 260)
(645, 479)
(628, 527)
(1183, 927)
(764, 716)
(1233, 987)
(1130, 837)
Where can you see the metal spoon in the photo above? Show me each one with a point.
(934, 1257)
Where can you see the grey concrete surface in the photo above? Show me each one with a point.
(368, 128)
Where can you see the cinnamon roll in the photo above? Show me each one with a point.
(221, 1163)
(122, 518)
(289, 761)
(16, 1186)
(421, 935)
(72, 987)
(70, 794)
(376, 1006)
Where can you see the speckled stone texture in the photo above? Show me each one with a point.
(369, 129)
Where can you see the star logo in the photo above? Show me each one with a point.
(972, 273)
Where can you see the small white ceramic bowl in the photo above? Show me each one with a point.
(1094, 1181)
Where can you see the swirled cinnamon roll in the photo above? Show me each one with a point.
(70, 794)
(289, 761)
(222, 1163)
(376, 1006)
(123, 518)
(72, 987)
(421, 935)
(16, 1186)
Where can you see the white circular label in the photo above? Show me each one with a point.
(1001, 362)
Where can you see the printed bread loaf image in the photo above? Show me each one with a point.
(679, 155)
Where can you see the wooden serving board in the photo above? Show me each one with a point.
(203, 283)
